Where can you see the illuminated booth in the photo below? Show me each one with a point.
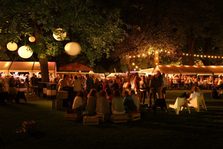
(205, 76)
(21, 66)
(189, 70)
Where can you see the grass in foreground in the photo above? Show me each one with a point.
(203, 129)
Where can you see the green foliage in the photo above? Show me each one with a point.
(96, 29)
(175, 25)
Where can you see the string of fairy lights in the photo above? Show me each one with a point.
(203, 56)
(155, 53)
(143, 55)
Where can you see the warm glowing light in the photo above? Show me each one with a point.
(138, 56)
(32, 39)
(7, 64)
(133, 64)
(134, 56)
(205, 56)
(72, 48)
(187, 54)
(59, 34)
(212, 56)
(25, 52)
(12, 46)
(137, 67)
(130, 56)
(201, 55)
(91, 72)
(183, 53)
(209, 56)
(143, 55)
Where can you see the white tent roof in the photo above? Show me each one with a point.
(190, 70)
(146, 71)
(31, 66)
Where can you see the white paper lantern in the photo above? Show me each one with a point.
(12, 46)
(32, 39)
(59, 34)
(25, 52)
(72, 48)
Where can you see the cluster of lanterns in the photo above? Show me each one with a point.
(25, 51)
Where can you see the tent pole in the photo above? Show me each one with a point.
(10, 67)
(33, 66)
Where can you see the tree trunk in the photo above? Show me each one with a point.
(44, 69)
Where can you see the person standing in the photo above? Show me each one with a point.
(91, 102)
(89, 84)
(102, 105)
(12, 88)
(142, 89)
(117, 106)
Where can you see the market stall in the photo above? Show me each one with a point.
(22, 66)
(188, 70)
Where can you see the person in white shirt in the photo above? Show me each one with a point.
(78, 105)
(195, 91)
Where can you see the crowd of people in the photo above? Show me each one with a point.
(187, 81)
(88, 95)
(13, 89)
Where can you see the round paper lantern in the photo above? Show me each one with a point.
(72, 48)
(25, 52)
(59, 34)
(12, 46)
(32, 39)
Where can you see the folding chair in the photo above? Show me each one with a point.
(179, 105)
(198, 102)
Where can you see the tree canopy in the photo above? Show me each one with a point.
(94, 27)
(115, 28)
(178, 26)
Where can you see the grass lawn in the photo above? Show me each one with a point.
(195, 130)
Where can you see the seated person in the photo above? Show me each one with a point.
(91, 102)
(196, 99)
(195, 91)
(102, 105)
(129, 103)
(78, 104)
(117, 106)
(136, 100)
